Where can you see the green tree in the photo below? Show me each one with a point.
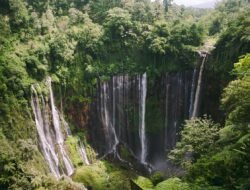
(19, 14)
(236, 97)
(198, 137)
(228, 166)
(167, 4)
(99, 8)
(173, 184)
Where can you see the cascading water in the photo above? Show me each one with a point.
(142, 109)
(59, 136)
(121, 108)
(66, 126)
(121, 105)
(106, 119)
(113, 113)
(51, 137)
(47, 147)
(198, 89)
(166, 111)
(177, 103)
(190, 111)
(83, 153)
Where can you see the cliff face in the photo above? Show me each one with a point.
(148, 129)
(79, 114)
(116, 115)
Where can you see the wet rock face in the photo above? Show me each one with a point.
(79, 113)
(167, 107)
(50, 133)
(116, 114)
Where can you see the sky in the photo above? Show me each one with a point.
(194, 2)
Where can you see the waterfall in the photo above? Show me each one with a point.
(142, 109)
(166, 109)
(121, 106)
(51, 137)
(198, 89)
(122, 113)
(190, 111)
(121, 110)
(83, 152)
(59, 136)
(46, 145)
(66, 126)
(113, 110)
(177, 99)
(106, 119)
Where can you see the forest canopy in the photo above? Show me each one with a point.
(79, 43)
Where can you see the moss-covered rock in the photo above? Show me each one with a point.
(144, 183)
(73, 149)
(172, 184)
(103, 176)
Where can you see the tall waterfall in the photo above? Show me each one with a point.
(198, 89)
(121, 105)
(119, 113)
(58, 133)
(46, 143)
(191, 107)
(142, 109)
(107, 118)
(50, 133)
(178, 100)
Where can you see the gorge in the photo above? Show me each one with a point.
(52, 135)
(124, 95)
(121, 109)
(123, 117)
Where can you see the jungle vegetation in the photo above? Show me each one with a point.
(77, 42)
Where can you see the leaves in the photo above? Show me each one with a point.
(236, 96)
(198, 137)
(229, 165)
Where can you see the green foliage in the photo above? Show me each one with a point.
(49, 183)
(198, 137)
(102, 176)
(58, 38)
(23, 167)
(167, 4)
(5, 31)
(242, 68)
(236, 94)
(157, 177)
(18, 163)
(178, 184)
(232, 43)
(73, 148)
(171, 45)
(142, 12)
(19, 17)
(99, 8)
(223, 14)
(118, 23)
(172, 184)
(144, 183)
(228, 166)
(215, 27)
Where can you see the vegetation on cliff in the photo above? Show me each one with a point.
(79, 42)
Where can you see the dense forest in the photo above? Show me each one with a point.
(124, 94)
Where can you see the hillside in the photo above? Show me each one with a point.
(124, 94)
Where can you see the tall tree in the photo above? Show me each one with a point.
(167, 4)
